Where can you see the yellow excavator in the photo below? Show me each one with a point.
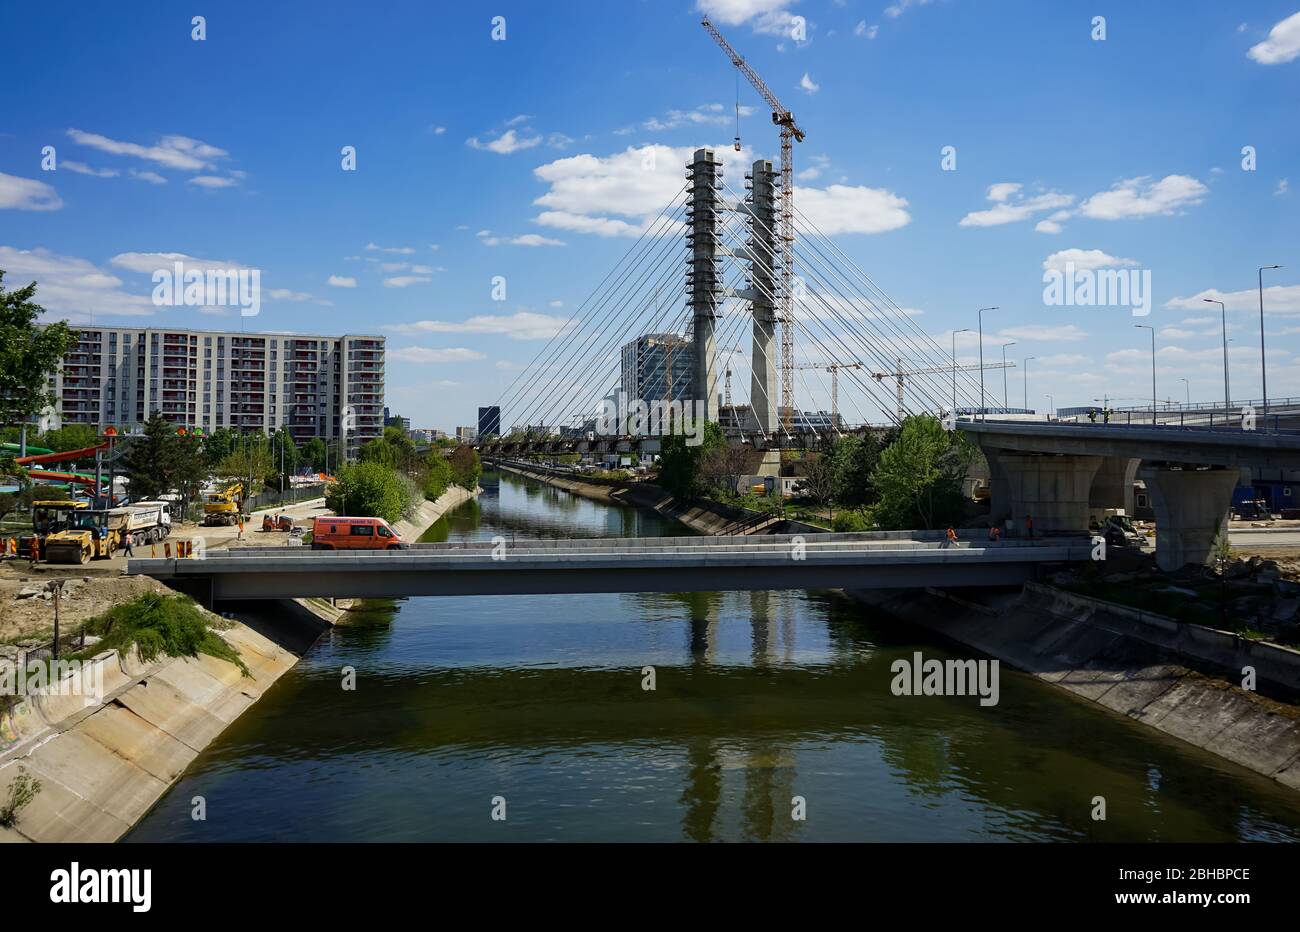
(226, 507)
(90, 534)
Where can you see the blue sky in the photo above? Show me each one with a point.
(512, 159)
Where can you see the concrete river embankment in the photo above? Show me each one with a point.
(102, 761)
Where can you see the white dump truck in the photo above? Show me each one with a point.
(147, 522)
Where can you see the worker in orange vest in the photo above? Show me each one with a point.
(995, 533)
(1029, 525)
(952, 536)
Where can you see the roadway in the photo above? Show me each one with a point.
(671, 564)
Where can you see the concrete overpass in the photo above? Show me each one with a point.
(668, 564)
(1059, 472)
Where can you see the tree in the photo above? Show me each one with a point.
(722, 465)
(368, 490)
(70, 437)
(186, 466)
(679, 463)
(218, 445)
(820, 480)
(252, 462)
(149, 461)
(29, 353)
(313, 453)
(919, 476)
(465, 467)
(855, 459)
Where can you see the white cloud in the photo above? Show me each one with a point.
(808, 84)
(862, 29)
(27, 194)
(179, 152)
(1282, 44)
(426, 354)
(1012, 206)
(1278, 299)
(1068, 333)
(842, 209)
(523, 325)
(398, 250)
(735, 12)
(1140, 197)
(81, 168)
(151, 177)
(146, 263)
(71, 287)
(1283, 187)
(439, 130)
(506, 143)
(820, 163)
(703, 115)
(899, 6)
(284, 294)
(636, 184)
(212, 181)
(341, 281)
(527, 239)
(406, 281)
(1084, 260)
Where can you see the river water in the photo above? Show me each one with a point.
(534, 704)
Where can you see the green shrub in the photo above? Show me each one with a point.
(849, 521)
(369, 490)
(160, 624)
(21, 792)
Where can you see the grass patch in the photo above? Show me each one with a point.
(159, 624)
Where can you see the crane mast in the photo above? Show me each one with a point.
(790, 133)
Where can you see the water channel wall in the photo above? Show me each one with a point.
(1183, 680)
(102, 764)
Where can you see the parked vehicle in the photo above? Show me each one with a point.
(1253, 509)
(225, 508)
(147, 522)
(48, 517)
(355, 534)
(1117, 530)
(90, 535)
(277, 523)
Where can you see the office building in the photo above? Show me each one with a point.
(489, 421)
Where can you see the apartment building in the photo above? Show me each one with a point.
(314, 386)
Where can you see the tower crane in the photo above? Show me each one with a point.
(834, 369)
(899, 374)
(790, 133)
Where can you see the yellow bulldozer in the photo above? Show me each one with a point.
(226, 507)
(90, 535)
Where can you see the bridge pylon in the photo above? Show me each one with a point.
(704, 283)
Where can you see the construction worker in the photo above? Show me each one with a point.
(1092, 415)
(995, 533)
(1105, 414)
(127, 550)
(1029, 525)
(240, 536)
(952, 536)
(34, 553)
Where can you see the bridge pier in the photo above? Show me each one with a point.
(1112, 486)
(1055, 490)
(1191, 507)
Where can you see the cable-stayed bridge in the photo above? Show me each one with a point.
(698, 298)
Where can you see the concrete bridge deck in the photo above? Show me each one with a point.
(671, 564)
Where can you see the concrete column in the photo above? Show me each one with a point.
(1112, 487)
(1191, 506)
(999, 494)
(1053, 489)
(704, 274)
(763, 283)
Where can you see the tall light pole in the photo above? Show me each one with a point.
(1027, 358)
(954, 367)
(981, 328)
(1263, 368)
(1006, 404)
(1227, 395)
(1051, 406)
(1187, 387)
(1153, 369)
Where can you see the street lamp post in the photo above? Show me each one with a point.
(954, 367)
(981, 329)
(1227, 395)
(1153, 369)
(1187, 387)
(1027, 358)
(1263, 367)
(1051, 406)
(1006, 404)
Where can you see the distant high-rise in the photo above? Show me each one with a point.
(658, 367)
(466, 434)
(489, 421)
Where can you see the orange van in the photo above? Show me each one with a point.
(355, 534)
